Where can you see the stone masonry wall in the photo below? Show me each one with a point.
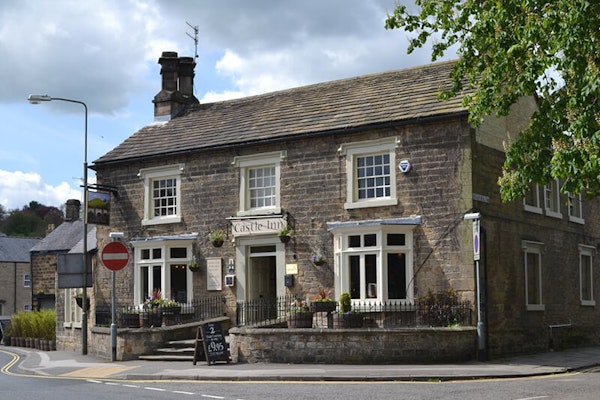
(313, 191)
(352, 346)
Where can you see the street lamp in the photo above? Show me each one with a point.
(37, 99)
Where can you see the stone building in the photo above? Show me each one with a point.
(15, 274)
(374, 173)
(64, 239)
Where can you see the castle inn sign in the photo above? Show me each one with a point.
(257, 226)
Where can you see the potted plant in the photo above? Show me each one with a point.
(322, 302)
(285, 234)
(130, 318)
(318, 258)
(150, 315)
(299, 315)
(346, 318)
(193, 265)
(217, 237)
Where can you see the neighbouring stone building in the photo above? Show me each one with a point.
(15, 274)
(64, 239)
(373, 172)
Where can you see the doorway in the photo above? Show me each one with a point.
(262, 281)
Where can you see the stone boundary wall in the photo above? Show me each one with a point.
(134, 342)
(353, 346)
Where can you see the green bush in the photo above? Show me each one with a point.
(38, 324)
(345, 302)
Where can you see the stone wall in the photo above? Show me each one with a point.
(353, 346)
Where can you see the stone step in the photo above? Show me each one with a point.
(155, 357)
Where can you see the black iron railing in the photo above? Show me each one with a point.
(387, 314)
(136, 317)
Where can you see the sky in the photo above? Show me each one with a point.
(105, 53)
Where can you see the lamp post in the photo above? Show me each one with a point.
(36, 99)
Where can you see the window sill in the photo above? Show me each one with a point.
(536, 307)
(259, 211)
(588, 303)
(371, 203)
(577, 220)
(533, 209)
(553, 214)
(160, 221)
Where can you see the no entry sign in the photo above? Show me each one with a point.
(115, 256)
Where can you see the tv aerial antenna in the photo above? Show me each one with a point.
(194, 38)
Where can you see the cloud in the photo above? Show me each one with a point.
(17, 189)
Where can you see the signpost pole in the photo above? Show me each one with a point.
(113, 326)
(115, 256)
(481, 351)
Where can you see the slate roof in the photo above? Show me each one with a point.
(65, 237)
(337, 106)
(15, 249)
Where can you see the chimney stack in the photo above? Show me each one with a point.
(177, 86)
(72, 211)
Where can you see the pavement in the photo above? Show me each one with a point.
(73, 365)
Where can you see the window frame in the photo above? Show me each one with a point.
(536, 248)
(552, 196)
(72, 312)
(26, 280)
(352, 151)
(536, 208)
(150, 175)
(572, 200)
(256, 161)
(164, 262)
(586, 251)
(343, 253)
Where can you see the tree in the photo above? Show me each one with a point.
(30, 221)
(507, 49)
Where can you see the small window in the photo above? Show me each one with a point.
(531, 202)
(552, 199)
(370, 173)
(260, 183)
(162, 194)
(575, 209)
(586, 275)
(27, 280)
(533, 275)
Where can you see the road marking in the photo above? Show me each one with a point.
(533, 398)
(155, 389)
(97, 372)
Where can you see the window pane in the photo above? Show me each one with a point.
(354, 241)
(370, 240)
(396, 239)
(586, 277)
(156, 253)
(373, 176)
(145, 254)
(354, 262)
(533, 279)
(164, 195)
(262, 187)
(178, 252)
(371, 275)
(396, 274)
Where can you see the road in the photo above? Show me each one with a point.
(16, 385)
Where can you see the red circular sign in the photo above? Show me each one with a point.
(115, 256)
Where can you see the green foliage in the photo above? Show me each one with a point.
(39, 324)
(513, 48)
(345, 303)
(31, 221)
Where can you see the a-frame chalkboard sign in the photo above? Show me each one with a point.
(210, 343)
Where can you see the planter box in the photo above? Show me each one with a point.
(323, 306)
(341, 321)
(300, 320)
